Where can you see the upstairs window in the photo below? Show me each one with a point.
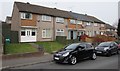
(26, 16)
(79, 22)
(46, 18)
(59, 20)
(88, 24)
(102, 25)
(95, 24)
(72, 21)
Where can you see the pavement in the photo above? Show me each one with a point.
(18, 62)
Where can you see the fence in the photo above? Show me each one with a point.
(7, 34)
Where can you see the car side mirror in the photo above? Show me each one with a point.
(81, 48)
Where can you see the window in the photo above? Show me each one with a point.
(95, 24)
(72, 21)
(59, 20)
(108, 29)
(46, 18)
(26, 16)
(33, 32)
(60, 32)
(46, 33)
(79, 22)
(22, 32)
(88, 24)
(102, 25)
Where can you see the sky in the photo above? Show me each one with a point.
(105, 10)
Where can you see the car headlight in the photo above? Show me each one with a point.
(106, 48)
(66, 54)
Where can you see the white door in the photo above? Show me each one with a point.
(28, 35)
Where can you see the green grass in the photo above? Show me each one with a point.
(51, 46)
(19, 48)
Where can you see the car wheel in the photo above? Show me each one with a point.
(93, 56)
(117, 51)
(73, 60)
(109, 54)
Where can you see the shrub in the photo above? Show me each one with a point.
(103, 38)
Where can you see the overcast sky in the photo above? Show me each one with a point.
(105, 10)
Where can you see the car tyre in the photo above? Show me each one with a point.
(73, 60)
(117, 51)
(94, 56)
(109, 54)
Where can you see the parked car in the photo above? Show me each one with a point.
(118, 46)
(107, 48)
(74, 52)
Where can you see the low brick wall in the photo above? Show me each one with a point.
(13, 56)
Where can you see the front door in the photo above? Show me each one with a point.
(71, 33)
(28, 32)
(28, 35)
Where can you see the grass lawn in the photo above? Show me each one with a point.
(19, 48)
(51, 46)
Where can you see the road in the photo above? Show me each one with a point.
(101, 62)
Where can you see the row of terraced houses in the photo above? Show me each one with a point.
(38, 23)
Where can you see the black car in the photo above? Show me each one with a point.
(74, 52)
(107, 48)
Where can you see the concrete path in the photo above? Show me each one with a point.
(26, 61)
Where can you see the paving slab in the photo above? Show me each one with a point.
(26, 61)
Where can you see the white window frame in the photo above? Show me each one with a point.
(108, 29)
(59, 20)
(23, 15)
(45, 33)
(95, 24)
(79, 22)
(72, 21)
(88, 23)
(61, 31)
(102, 25)
(46, 18)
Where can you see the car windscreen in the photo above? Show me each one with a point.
(71, 47)
(104, 44)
